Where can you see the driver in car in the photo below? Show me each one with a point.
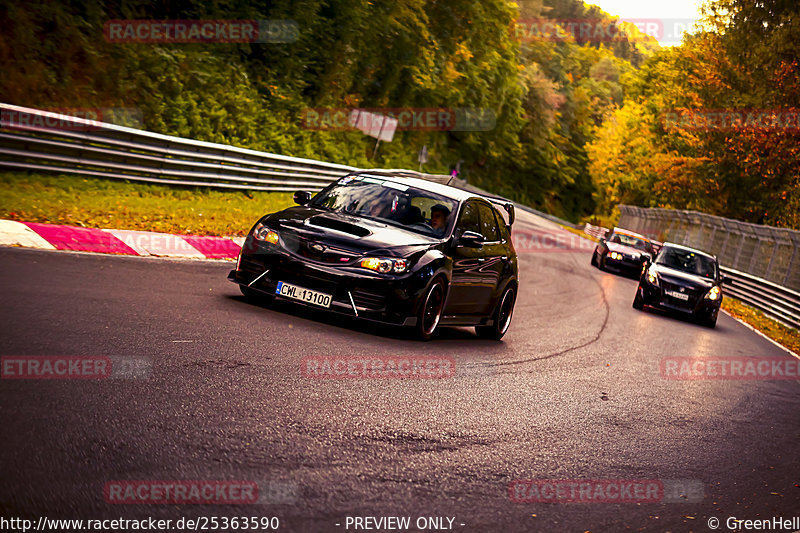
(439, 215)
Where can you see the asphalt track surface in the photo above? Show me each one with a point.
(573, 392)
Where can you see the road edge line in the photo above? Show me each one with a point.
(752, 328)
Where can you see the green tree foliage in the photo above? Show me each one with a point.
(547, 96)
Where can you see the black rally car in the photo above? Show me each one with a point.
(682, 279)
(388, 248)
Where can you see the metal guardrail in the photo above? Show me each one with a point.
(33, 139)
(598, 232)
(775, 301)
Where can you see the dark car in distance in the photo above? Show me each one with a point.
(391, 249)
(623, 251)
(682, 279)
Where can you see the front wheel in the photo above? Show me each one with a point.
(709, 321)
(601, 263)
(594, 259)
(431, 310)
(502, 317)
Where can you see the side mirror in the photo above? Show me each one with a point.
(602, 240)
(509, 207)
(302, 197)
(471, 239)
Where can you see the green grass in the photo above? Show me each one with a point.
(580, 233)
(107, 203)
(788, 337)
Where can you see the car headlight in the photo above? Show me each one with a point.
(616, 256)
(652, 277)
(263, 233)
(713, 294)
(384, 266)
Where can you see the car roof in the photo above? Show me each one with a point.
(419, 183)
(688, 249)
(629, 233)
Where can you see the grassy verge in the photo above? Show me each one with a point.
(107, 203)
(788, 337)
(581, 233)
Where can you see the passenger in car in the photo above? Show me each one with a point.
(439, 216)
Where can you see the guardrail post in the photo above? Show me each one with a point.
(751, 266)
(671, 222)
(714, 235)
(739, 251)
(789, 268)
(727, 238)
(771, 260)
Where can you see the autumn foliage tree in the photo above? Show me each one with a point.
(744, 65)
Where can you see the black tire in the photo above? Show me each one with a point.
(638, 303)
(709, 321)
(255, 296)
(501, 316)
(594, 258)
(430, 310)
(601, 263)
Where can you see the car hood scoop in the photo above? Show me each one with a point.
(342, 226)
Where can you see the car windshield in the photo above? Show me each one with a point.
(633, 242)
(393, 203)
(688, 261)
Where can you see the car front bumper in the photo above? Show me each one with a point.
(354, 291)
(696, 304)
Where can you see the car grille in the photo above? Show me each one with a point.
(693, 295)
(248, 264)
(368, 299)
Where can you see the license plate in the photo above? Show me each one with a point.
(679, 295)
(304, 295)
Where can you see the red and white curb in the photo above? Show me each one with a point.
(115, 241)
